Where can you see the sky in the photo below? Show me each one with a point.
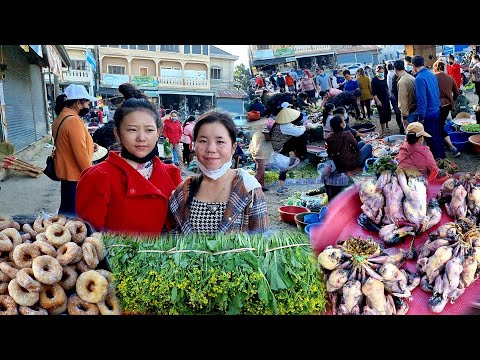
(239, 50)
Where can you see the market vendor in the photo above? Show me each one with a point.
(128, 192)
(220, 199)
(413, 154)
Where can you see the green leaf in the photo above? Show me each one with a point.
(174, 293)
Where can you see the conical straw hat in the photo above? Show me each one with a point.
(287, 115)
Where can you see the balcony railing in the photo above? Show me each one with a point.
(167, 82)
(77, 75)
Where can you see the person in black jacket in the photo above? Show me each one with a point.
(281, 82)
(104, 136)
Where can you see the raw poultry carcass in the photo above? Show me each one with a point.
(352, 298)
(436, 262)
(434, 215)
(398, 282)
(474, 200)
(372, 201)
(448, 230)
(383, 180)
(415, 202)
(469, 269)
(445, 193)
(393, 202)
(377, 302)
(457, 208)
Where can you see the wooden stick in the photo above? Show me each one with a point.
(24, 165)
(21, 170)
(12, 158)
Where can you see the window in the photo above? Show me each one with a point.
(79, 64)
(114, 46)
(133, 47)
(142, 47)
(143, 71)
(169, 48)
(152, 47)
(196, 49)
(215, 74)
(205, 49)
(116, 69)
(262, 47)
(124, 46)
(186, 49)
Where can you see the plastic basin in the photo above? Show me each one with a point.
(474, 141)
(462, 146)
(300, 220)
(288, 212)
(311, 227)
(459, 137)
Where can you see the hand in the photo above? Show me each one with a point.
(95, 147)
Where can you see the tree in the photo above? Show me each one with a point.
(241, 76)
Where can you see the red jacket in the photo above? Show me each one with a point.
(454, 71)
(113, 196)
(172, 130)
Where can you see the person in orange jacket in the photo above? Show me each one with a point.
(73, 144)
(128, 192)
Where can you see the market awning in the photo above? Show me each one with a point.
(316, 54)
(179, 92)
(279, 60)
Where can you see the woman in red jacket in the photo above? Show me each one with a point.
(172, 131)
(128, 192)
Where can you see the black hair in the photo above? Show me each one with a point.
(451, 57)
(408, 58)
(346, 72)
(399, 65)
(326, 111)
(135, 100)
(390, 66)
(418, 61)
(439, 65)
(189, 119)
(129, 91)
(361, 71)
(335, 123)
(214, 116)
(339, 110)
(61, 102)
(412, 138)
(322, 93)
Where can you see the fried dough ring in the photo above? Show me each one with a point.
(20, 296)
(55, 219)
(59, 310)
(44, 247)
(24, 254)
(42, 237)
(26, 280)
(82, 266)
(110, 306)
(57, 235)
(4, 277)
(13, 235)
(5, 243)
(90, 255)
(32, 310)
(4, 287)
(7, 302)
(27, 228)
(52, 297)
(67, 252)
(69, 278)
(9, 269)
(47, 269)
(77, 306)
(38, 225)
(6, 222)
(91, 286)
(78, 230)
(99, 246)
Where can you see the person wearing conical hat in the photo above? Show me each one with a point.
(288, 134)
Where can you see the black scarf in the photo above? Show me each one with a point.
(127, 155)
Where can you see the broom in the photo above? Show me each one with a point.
(11, 162)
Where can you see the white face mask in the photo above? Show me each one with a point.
(215, 174)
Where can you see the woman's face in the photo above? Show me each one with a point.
(213, 146)
(138, 133)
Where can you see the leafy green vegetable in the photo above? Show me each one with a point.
(222, 274)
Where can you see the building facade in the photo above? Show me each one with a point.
(185, 77)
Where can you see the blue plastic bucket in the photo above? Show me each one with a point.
(459, 137)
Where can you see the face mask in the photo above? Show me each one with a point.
(380, 75)
(83, 112)
(408, 67)
(450, 62)
(215, 174)
(128, 155)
